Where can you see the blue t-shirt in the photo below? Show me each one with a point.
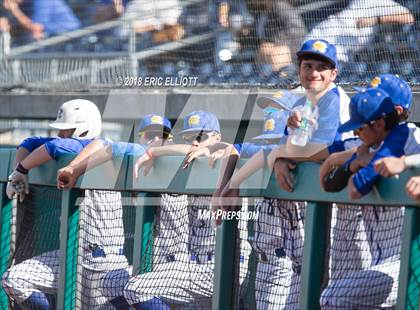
(329, 117)
(395, 145)
(33, 143)
(55, 15)
(59, 146)
(247, 150)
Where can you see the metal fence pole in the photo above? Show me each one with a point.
(66, 296)
(143, 233)
(224, 269)
(316, 226)
(410, 230)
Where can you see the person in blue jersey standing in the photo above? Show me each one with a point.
(33, 282)
(318, 69)
(377, 117)
(153, 130)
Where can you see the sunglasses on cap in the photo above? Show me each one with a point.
(150, 135)
(201, 137)
(370, 124)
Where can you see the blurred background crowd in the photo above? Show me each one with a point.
(233, 42)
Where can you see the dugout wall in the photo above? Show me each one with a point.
(389, 192)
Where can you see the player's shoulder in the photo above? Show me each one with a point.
(127, 148)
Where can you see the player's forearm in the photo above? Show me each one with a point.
(21, 154)
(227, 167)
(404, 18)
(254, 164)
(36, 158)
(218, 146)
(320, 156)
(174, 149)
(99, 157)
(89, 150)
(352, 190)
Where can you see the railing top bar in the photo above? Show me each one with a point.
(167, 176)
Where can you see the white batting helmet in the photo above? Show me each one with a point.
(82, 115)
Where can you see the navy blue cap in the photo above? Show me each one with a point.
(200, 121)
(367, 106)
(398, 89)
(274, 125)
(283, 100)
(154, 121)
(321, 48)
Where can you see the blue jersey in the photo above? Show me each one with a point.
(59, 146)
(247, 150)
(342, 145)
(329, 117)
(126, 148)
(55, 146)
(33, 143)
(402, 140)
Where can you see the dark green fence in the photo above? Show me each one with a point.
(118, 175)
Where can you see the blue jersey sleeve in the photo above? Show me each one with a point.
(126, 148)
(33, 143)
(342, 145)
(393, 146)
(57, 147)
(238, 147)
(250, 149)
(328, 120)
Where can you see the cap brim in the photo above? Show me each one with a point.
(359, 88)
(331, 61)
(268, 136)
(264, 102)
(349, 126)
(157, 127)
(193, 130)
(62, 126)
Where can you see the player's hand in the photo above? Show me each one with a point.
(325, 168)
(294, 120)
(196, 152)
(21, 184)
(10, 190)
(390, 166)
(66, 178)
(284, 177)
(215, 156)
(413, 188)
(145, 161)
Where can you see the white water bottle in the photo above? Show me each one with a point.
(303, 134)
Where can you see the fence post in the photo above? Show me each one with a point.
(224, 271)
(143, 232)
(410, 230)
(5, 233)
(316, 225)
(66, 296)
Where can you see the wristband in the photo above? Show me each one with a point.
(412, 161)
(21, 169)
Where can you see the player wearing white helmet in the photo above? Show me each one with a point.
(33, 282)
(153, 130)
